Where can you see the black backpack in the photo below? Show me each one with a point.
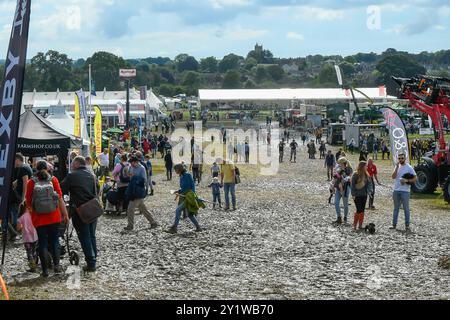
(124, 178)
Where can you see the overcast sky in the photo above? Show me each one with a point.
(289, 28)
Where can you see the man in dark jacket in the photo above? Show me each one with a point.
(82, 187)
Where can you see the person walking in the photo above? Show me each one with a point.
(187, 189)
(82, 188)
(404, 176)
(373, 173)
(322, 150)
(361, 187)
(122, 178)
(215, 188)
(294, 146)
(228, 180)
(281, 150)
(149, 166)
(341, 187)
(330, 164)
(103, 161)
(46, 205)
(136, 194)
(247, 152)
(21, 175)
(168, 161)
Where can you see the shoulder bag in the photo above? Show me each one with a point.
(91, 210)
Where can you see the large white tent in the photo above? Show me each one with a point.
(285, 97)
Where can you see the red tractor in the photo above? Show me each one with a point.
(430, 95)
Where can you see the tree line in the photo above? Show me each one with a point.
(259, 69)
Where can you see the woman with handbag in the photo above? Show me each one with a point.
(85, 208)
(45, 203)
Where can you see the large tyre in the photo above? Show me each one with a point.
(446, 189)
(427, 181)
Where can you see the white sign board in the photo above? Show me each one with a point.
(426, 131)
(127, 73)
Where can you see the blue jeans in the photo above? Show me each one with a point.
(337, 202)
(88, 241)
(48, 240)
(12, 217)
(178, 214)
(399, 198)
(217, 198)
(230, 188)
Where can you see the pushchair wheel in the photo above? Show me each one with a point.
(74, 259)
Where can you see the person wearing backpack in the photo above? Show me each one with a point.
(122, 178)
(44, 201)
(136, 193)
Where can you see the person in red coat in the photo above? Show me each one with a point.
(47, 225)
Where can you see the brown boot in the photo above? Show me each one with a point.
(361, 220)
(355, 223)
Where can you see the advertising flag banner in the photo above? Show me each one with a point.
(11, 98)
(82, 104)
(121, 113)
(397, 133)
(77, 126)
(98, 130)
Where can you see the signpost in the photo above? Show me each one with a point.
(127, 75)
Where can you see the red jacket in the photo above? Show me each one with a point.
(47, 219)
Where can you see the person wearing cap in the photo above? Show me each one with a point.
(187, 185)
(215, 187)
(341, 185)
(136, 193)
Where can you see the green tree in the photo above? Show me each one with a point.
(261, 56)
(209, 65)
(105, 70)
(250, 84)
(348, 69)
(398, 65)
(230, 62)
(232, 80)
(51, 71)
(185, 62)
(275, 72)
(192, 82)
(250, 63)
(327, 75)
(260, 74)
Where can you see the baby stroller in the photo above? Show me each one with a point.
(66, 234)
(110, 199)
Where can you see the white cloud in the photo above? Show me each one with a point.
(238, 33)
(320, 13)
(295, 36)
(220, 4)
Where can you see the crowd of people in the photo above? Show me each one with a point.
(360, 186)
(42, 205)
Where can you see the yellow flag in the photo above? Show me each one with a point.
(98, 130)
(77, 126)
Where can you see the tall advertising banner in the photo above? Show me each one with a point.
(82, 104)
(77, 126)
(397, 133)
(121, 113)
(98, 130)
(11, 99)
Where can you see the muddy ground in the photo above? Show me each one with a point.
(280, 244)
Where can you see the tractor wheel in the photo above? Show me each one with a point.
(446, 189)
(426, 180)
